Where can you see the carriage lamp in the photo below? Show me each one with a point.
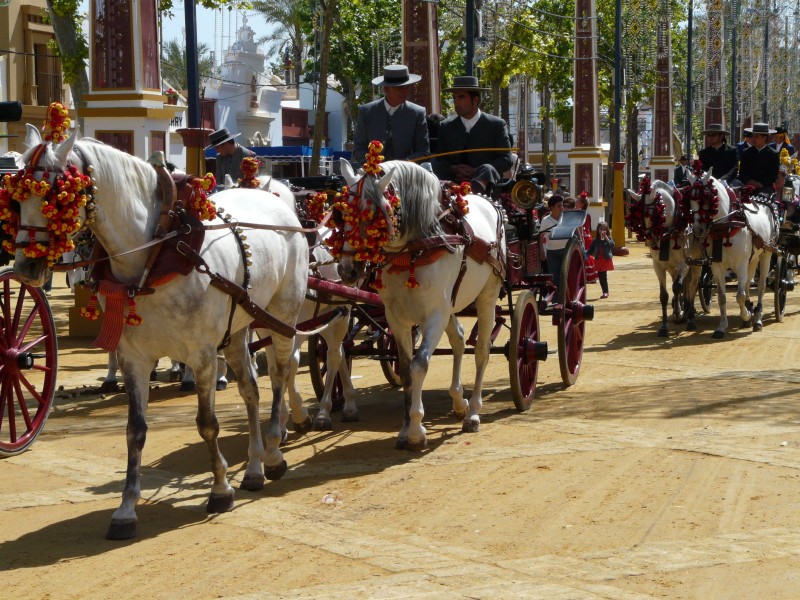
(787, 193)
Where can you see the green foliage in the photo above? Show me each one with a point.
(72, 63)
(173, 63)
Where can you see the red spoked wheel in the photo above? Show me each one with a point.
(524, 350)
(390, 365)
(574, 313)
(28, 363)
(318, 369)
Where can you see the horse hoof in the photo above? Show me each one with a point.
(276, 472)
(401, 444)
(413, 446)
(323, 424)
(219, 504)
(187, 386)
(109, 386)
(121, 530)
(252, 483)
(758, 326)
(718, 335)
(153, 375)
(470, 426)
(691, 326)
(222, 384)
(303, 426)
(663, 332)
(350, 416)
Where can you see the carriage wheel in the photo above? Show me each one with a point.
(28, 363)
(318, 368)
(524, 350)
(571, 324)
(705, 288)
(779, 286)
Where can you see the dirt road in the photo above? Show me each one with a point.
(670, 470)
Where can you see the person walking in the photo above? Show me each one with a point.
(602, 249)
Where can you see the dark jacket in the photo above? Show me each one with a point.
(723, 160)
(404, 135)
(601, 247)
(788, 147)
(488, 132)
(679, 176)
(759, 165)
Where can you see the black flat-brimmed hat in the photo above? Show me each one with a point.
(466, 83)
(395, 76)
(779, 129)
(220, 136)
(715, 128)
(762, 128)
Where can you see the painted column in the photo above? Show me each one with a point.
(714, 107)
(662, 164)
(586, 156)
(421, 53)
(126, 107)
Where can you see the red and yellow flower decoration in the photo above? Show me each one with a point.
(315, 206)
(199, 202)
(250, 166)
(56, 123)
(374, 158)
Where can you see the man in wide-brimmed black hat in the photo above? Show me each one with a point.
(717, 156)
(229, 155)
(780, 140)
(398, 124)
(760, 162)
(472, 129)
(679, 177)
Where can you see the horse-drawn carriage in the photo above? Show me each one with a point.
(708, 233)
(150, 312)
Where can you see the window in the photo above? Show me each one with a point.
(566, 137)
(121, 140)
(112, 52)
(47, 73)
(158, 141)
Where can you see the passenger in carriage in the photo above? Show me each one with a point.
(472, 129)
(398, 124)
(718, 157)
(780, 140)
(760, 162)
(680, 176)
(745, 143)
(553, 249)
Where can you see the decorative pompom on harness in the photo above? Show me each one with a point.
(62, 195)
(250, 167)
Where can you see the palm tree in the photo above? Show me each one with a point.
(289, 16)
(173, 63)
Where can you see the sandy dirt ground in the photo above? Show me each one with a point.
(670, 470)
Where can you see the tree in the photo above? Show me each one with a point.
(290, 16)
(173, 63)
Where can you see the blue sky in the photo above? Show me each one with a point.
(213, 36)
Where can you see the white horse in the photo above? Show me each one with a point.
(662, 224)
(440, 294)
(185, 318)
(744, 234)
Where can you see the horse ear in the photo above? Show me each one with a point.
(347, 172)
(384, 181)
(63, 150)
(265, 183)
(32, 137)
(228, 181)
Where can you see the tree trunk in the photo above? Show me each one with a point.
(67, 39)
(548, 172)
(319, 121)
(632, 127)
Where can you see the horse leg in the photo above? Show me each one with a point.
(222, 374)
(135, 375)
(432, 331)
(763, 267)
(455, 335)
(484, 305)
(187, 382)
(205, 373)
(719, 277)
(337, 364)
(663, 295)
(278, 356)
(690, 284)
(405, 349)
(238, 356)
(110, 381)
(744, 275)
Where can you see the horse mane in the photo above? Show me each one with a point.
(119, 177)
(419, 192)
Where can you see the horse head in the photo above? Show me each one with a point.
(51, 195)
(367, 221)
(708, 200)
